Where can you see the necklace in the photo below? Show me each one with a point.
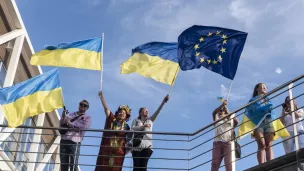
(115, 125)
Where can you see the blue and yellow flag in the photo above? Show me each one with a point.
(85, 54)
(217, 49)
(37, 95)
(254, 116)
(156, 60)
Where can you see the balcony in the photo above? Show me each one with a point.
(171, 150)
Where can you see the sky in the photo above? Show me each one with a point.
(272, 54)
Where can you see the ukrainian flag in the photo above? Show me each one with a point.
(255, 114)
(85, 54)
(37, 95)
(156, 60)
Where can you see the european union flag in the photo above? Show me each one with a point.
(217, 49)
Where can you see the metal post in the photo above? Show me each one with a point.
(57, 159)
(295, 131)
(76, 153)
(35, 146)
(232, 144)
(188, 154)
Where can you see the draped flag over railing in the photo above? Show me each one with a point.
(37, 95)
(255, 114)
(217, 49)
(85, 54)
(156, 60)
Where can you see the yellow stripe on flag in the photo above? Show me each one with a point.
(154, 67)
(31, 105)
(72, 57)
(247, 127)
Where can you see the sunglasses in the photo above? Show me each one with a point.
(83, 105)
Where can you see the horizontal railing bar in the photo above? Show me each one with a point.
(212, 128)
(101, 130)
(94, 155)
(242, 124)
(89, 145)
(248, 104)
(155, 168)
(270, 146)
(244, 146)
(156, 139)
(250, 141)
(169, 133)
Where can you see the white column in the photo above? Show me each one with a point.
(10, 35)
(48, 156)
(232, 144)
(57, 160)
(12, 67)
(35, 145)
(292, 108)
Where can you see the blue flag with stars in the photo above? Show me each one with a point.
(217, 49)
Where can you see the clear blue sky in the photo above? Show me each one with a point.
(273, 54)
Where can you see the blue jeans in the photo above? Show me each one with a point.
(289, 145)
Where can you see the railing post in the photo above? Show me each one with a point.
(57, 159)
(35, 144)
(188, 153)
(295, 131)
(232, 144)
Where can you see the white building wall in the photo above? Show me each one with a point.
(22, 45)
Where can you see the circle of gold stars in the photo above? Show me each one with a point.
(222, 50)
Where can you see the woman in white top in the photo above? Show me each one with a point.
(289, 145)
(221, 144)
(142, 143)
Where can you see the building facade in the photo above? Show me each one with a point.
(23, 149)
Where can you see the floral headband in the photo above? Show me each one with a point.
(126, 108)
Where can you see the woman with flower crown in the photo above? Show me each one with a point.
(113, 144)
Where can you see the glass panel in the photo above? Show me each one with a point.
(2, 73)
(19, 141)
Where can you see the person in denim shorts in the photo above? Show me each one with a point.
(264, 133)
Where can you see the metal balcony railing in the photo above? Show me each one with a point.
(171, 150)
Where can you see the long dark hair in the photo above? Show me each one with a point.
(287, 100)
(255, 90)
(140, 110)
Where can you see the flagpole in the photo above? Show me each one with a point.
(101, 61)
(229, 90)
(232, 132)
(173, 81)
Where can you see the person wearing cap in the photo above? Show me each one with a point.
(71, 139)
(113, 144)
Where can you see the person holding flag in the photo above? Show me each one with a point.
(221, 145)
(71, 139)
(142, 143)
(113, 144)
(261, 122)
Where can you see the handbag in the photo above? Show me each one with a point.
(237, 147)
(138, 138)
(64, 131)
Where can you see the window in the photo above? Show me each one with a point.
(49, 166)
(2, 73)
(19, 141)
